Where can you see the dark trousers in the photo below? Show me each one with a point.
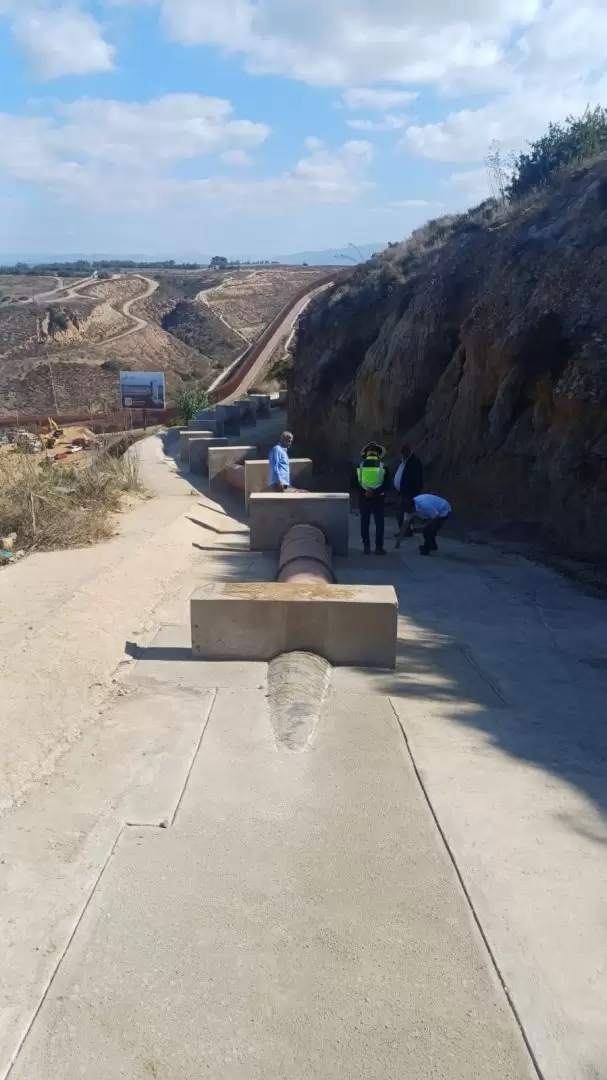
(404, 499)
(372, 508)
(431, 531)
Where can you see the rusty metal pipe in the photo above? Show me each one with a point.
(235, 476)
(304, 557)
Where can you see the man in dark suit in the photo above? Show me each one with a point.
(408, 481)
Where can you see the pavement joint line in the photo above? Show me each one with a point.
(61, 958)
(193, 761)
(165, 825)
(468, 897)
(469, 656)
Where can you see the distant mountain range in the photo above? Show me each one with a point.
(328, 257)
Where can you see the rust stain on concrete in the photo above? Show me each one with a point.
(269, 590)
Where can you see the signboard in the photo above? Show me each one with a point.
(142, 389)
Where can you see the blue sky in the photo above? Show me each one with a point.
(271, 126)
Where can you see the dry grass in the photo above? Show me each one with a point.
(50, 508)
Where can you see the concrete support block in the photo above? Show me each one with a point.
(221, 458)
(248, 413)
(271, 514)
(199, 452)
(350, 625)
(213, 418)
(230, 415)
(262, 404)
(257, 475)
(185, 437)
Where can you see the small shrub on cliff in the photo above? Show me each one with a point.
(577, 140)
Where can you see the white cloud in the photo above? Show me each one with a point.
(510, 119)
(101, 150)
(165, 129)
(412, 204)
(58, 40)
(470, 187)
(236, 157)
(355, 42)
(390, 122)
(313, 143)
(380, 100)
(116, 155)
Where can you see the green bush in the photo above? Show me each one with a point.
(577, 140)
(190, 401)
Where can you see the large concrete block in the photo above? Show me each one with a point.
(212, 417)
(185, 437)
(256, 475)
(350, 625)
(270, 515)
(231, 418)
(220, 458)
(262, 404)
(248, 413)
(199, 452)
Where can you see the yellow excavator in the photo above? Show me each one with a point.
(49, 438)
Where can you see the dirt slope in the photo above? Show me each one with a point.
(481, 340)
(178, 322)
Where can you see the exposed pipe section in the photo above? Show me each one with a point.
(235, 476)
(305, 557)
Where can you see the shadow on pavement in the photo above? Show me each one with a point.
(157, 652)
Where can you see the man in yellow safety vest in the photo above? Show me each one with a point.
(371, 481)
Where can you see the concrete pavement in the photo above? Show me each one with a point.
(428, 875)
(300, 918)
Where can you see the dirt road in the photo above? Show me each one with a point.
(202, 298)
(138, 323)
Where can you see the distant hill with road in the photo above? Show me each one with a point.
(62, 343)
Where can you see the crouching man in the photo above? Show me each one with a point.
(427, 513)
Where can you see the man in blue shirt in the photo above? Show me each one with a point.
(279, 471)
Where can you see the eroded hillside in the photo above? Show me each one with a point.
(482, 340)
(79, 335)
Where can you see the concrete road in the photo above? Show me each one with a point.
(299, 918)
(420, 893)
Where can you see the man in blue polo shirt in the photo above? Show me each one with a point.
(279, 470)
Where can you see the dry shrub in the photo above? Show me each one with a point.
(50, 507)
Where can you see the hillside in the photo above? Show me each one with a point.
(189, 323)
(481, 341)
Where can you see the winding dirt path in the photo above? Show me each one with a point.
(138, 323)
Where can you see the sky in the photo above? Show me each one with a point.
(174, 127)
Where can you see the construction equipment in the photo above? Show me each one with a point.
(27, 443)
(49, 438)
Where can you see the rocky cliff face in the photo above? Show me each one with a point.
(482, 341)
